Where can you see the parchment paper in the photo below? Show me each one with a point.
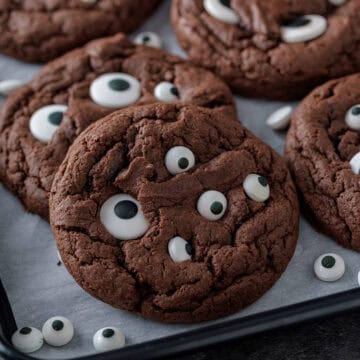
(38, 288)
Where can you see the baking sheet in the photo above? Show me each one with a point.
(38, 288)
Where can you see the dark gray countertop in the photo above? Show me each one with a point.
(333, 338)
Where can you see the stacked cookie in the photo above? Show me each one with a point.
(160, 201)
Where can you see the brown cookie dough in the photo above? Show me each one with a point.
(34, 30)
(30, 159)
(174, 235)
(320, 149)
(255, 55)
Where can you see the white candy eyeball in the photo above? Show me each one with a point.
(352, 117)
(280, 119)
(221, 10)
(304, 28)
(256, 187)
(27, 339)
(212, 205)
(9, 86)
(109, 338)
(148, 38)
(58, 331)
(355, 163)
(166, 92)
(179, 159)
(337, 2)
(123, 218)
(115, 90)
(45, 121)
(179, 249)
(329, 267)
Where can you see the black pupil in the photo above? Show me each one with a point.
(55, 118)
(263, 181)
(356, 110)
(183, 163)
(119, 85)
(146, 38)
(225, 2)
(328, 262)
(296, 22)
(107, 333)
(189, 249)
(174, 91)
(57, 325)
(216, 208)
(25, 331)
(125, 209)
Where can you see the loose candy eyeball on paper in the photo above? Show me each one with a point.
(108, 338)
(27, 339)
(329, 267)
(58, 331)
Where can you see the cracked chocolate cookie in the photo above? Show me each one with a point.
(276, 49)
(35, 31)
(323, 152)
(174, 213)
(40, 121)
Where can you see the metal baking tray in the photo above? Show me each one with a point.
(38, 288)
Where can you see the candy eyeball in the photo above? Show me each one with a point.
(212, 205)
(221, 10)
(355, 163)
(27, 339)
(280, 119)
(303, 28)
(166, 92)
(352, 117)
(256, 187)
(109, 338)
(115, 90)
(148, 38)
(58, 331)
(123, 218)
(329, 267)
(179, 159)
(179, 249)
(45, 121)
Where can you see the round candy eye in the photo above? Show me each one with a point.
(109, 338)
(352, 117)
(256, 187)
(221, 10)
(166, 92)
(212, 205)
(149, 38)
(115, 90)
(329, 267)
(179, 249)
(280, 119)
(355, 163)
(45, 121)
(179, 159)
(122, 217)
(27, 339)
(58, 331)
(304, 28)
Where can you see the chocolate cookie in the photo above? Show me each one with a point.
(174, 213)
(275, 49)
(34, 30)
(323, 152)
(40, 121)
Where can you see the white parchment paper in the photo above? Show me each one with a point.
(38, 288)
